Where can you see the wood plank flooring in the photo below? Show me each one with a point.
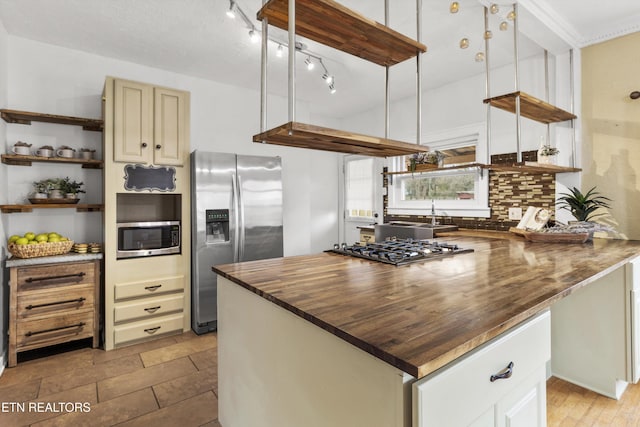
(173, 381)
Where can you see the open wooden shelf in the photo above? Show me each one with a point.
(294, 134)
(25, 118)
(530, 107)
(20, 160)
(525, 167)
(332, 24)
(31, 207)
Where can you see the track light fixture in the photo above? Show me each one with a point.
(310, 65)
(230, 13)
(255, 35)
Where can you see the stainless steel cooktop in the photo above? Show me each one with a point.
(400, 251)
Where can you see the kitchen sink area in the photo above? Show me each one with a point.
(410, 230)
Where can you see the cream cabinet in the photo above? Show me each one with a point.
(149, 124)
(502, 383)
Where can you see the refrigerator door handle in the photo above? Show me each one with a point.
(235, 204)
(241, 230)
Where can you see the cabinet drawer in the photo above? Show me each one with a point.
(149, 287)
(148, 328)
(54, 275)
(148, 307)
(458, 393)
(73, 299)
(54, 330)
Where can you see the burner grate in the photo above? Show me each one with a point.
(400, 252)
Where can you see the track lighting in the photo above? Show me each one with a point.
(230, 13)
(279, 51)
(310, 65)
(332, 88)
(254, 36)
(327, 78)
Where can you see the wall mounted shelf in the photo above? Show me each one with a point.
(334, 25)
(31, 207)
(25, 118)
(530, 107)
(294, 134)
(19, 160)
(524, 167)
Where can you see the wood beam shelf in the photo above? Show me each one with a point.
(30, 207)
(524, 167)
(19, 160)
(530, 107)
(295, 134)
(334, 25)
(25, 118)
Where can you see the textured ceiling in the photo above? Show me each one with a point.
(195, 37)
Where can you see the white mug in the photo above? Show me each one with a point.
(44, 152)
(21, 150)
(65, 152)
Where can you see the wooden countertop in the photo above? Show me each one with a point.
(419, 317)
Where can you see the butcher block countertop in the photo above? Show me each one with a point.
(419, 317)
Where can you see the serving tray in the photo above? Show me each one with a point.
(54, 201)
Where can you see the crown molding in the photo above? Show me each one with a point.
(628, 25)
(546, 14)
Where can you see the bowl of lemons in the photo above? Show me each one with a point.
(32, 245)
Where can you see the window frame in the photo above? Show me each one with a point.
(448, 139)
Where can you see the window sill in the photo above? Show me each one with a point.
(477, 212)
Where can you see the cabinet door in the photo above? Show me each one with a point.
(525, 405)
(132, 122)
(170, 127)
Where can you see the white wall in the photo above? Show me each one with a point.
(223, 118)
(4, 289)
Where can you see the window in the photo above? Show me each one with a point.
(359, 188)
(455, 192)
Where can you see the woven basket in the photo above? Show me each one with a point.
(41, 249)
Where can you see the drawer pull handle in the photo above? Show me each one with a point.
(152, 309)
(32, 306)
(152, 288)
(152, 330)
(65, 276)
(506, 373)
(79, 325)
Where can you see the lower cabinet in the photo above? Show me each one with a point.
(503, 383)
(148, 308)
(52, 304)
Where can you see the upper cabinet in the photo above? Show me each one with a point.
(149, 124)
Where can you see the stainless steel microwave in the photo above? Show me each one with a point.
(138, 239)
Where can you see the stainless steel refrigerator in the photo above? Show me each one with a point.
(236, 211)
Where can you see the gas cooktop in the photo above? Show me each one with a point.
(401, 251)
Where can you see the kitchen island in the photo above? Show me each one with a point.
(407, 322)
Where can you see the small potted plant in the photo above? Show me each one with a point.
(425, 160)
(41, 189)
(547, 154)
(583, 207)
(71, 188)
(55, 188)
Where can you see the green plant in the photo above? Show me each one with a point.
(547, 150)
(71, 187)
(583, 206)
(43, 186)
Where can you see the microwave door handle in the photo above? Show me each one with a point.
(242, 224)
(234, 205)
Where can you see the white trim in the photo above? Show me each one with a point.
(3, 358)
(543, 11)
(457, 212)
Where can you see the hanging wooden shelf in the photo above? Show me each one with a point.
(334, 25)
(525, 167)
(294, 134)
(25, 118)
(530, 107)
(31, 207)
(19, 160)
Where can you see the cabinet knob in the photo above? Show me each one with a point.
(144, 145)
(158, 146)
(634, 95)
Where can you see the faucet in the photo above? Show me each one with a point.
(433, 213)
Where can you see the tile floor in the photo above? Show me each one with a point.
(174, 382)
(169, 382)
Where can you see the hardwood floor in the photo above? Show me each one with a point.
(174, 382)
(169, 382)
